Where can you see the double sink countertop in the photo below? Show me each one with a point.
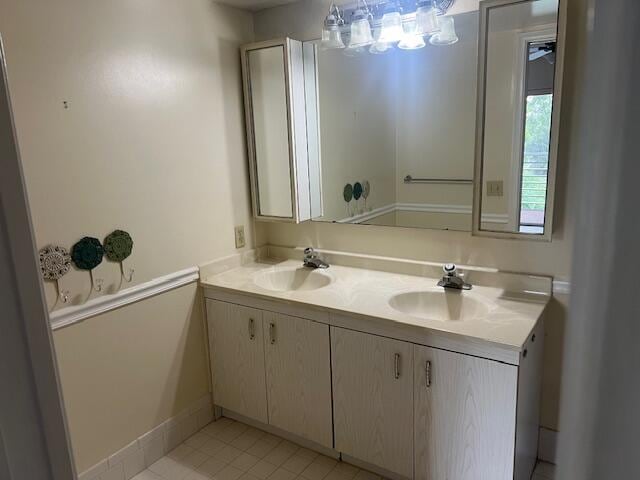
(502, 316)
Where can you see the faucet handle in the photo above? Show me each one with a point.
(450, 269)
(309, 252)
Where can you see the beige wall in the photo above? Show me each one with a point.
(357, 133)
(153, 142)
(304, 20)
(436, 111)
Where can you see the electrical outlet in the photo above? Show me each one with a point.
(495, 188)
(239, 231)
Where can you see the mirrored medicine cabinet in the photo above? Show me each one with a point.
(456, 135)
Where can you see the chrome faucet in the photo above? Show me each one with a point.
(311, 259)
(451, 279)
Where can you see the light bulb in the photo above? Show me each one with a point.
(411, 40)
(426, 18)
(331, 36)
(360, 30)
(447, 34)
(391, 30)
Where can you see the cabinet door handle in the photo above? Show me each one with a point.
(252, 329)
(427, 372)
(396, 365)
(272, 333)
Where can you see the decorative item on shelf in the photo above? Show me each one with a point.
(87, 254)
(366, 190)
(347, 194)
(380, 26)
(55, 263)
(117, 248)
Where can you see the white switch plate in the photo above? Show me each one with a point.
(495, 188)
(240, 241)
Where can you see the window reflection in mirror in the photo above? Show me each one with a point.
(519, 72)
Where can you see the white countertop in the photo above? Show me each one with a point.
(509, 319)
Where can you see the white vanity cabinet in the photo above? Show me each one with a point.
(379, 397)
(465, 416)
(272, 368)
(236, 344)
(373, 399)
(297, 362)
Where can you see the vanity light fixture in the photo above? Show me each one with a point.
(447, 34)
(331, 34)
(426, 18)
(391, 30)
(411, 40)
(385, 24)
(360, 29)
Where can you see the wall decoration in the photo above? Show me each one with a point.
(55, 262)
(347, 192)
(366, 190)
(117, 247)
(357, 190)
(87, 254)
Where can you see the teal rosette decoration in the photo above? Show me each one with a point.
(357, 190)
(87, 253)
(118, 245)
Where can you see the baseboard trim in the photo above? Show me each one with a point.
(70, 315)
(154, 444)
(547, 445)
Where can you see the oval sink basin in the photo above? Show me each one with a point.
(439, 305)
(292, 279)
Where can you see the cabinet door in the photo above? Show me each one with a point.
(298, 370)
(465, 416)
(237, 358)
(373, 399)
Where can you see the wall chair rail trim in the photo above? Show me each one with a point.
(77, 313)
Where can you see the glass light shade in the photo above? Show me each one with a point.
(379, 47)
(360, 30)
(331, 35)
(331, 38)
(426, 19)
(391, 30)
(447, 34)
(411, 40)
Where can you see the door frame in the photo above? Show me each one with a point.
(34, 438)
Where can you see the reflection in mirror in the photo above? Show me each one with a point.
(397, 132)
(517, 146)
(270, 131)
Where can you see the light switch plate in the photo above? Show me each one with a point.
(240, 241)
(495, 188)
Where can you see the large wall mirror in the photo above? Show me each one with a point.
(397, 129)
(427, 114)
(519, 75)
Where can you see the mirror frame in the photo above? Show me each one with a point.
(476, 227)
(251, 148)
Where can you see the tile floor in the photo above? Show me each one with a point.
(229, 450)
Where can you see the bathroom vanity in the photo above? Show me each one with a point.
(385, 368)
